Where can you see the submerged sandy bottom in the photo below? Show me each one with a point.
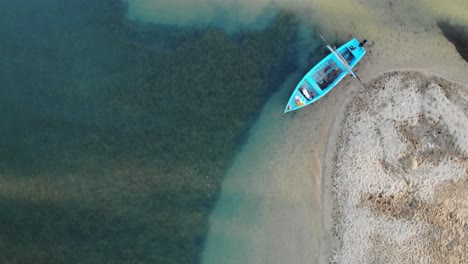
(270, 208)
(276, 199)
(276, 203)
(401, 173)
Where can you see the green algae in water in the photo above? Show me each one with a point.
(112, 150)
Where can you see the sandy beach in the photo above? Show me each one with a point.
(400, 172)
(145, 131)
(427, 90)
(294, 193)
(296, 198)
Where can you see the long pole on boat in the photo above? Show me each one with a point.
(339, 57)
(343, 61)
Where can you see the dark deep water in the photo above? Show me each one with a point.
(114, 137)
(458, 35)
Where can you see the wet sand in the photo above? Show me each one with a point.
(283, 184)
(269, 210)
(276, 202)
(420, 60)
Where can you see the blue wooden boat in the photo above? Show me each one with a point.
(326, 74)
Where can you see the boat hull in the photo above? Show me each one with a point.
(325, 76)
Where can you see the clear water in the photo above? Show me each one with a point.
(116, 135)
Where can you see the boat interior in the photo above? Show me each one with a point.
(330, 71)
(307, 91)
(327, 74)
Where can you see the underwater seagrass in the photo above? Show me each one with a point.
(113, 143)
